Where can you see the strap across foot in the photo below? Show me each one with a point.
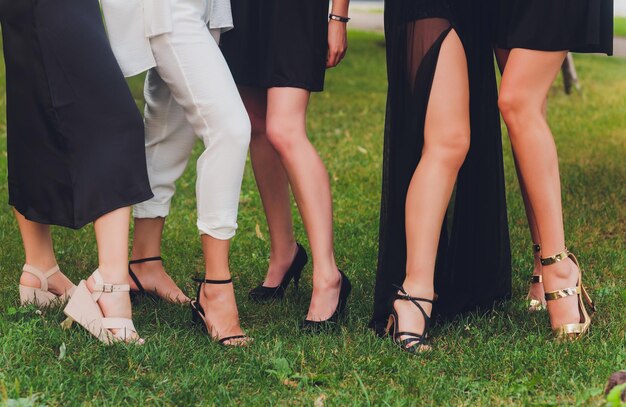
(124, 326)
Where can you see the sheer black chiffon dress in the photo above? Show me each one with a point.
(473, 268)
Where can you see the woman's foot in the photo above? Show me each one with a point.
(116, 305)
(221, 314)
(325, 297)
(410, 318)
(558, 276)
(279, 265)
(58, 283)
(409, 322)
(154, 279)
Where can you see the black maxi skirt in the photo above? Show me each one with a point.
(556, 25)
(473, 269)
(75, 136)
(278, 43)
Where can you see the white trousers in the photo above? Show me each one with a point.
(191, 94)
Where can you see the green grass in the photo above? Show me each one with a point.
(504, 357)
(620, 26)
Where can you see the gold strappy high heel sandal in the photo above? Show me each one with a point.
(40, 296)
(534, 304)
(576, 330)
(83, 308)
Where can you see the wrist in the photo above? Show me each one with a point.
(339, 18)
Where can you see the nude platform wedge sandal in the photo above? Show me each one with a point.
(83, 308)
(41, 296)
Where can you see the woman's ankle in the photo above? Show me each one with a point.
(417, 288)
(563, 270)
(43, 263)
(327, 278)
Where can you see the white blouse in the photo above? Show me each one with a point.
(131, 24)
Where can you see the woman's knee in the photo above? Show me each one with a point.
(258, 125)
(284, 134)
(236, 131)
(452, 146)
(517, 107)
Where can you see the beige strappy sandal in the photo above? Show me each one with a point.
(83, 308)
(40, 296)
(536, 304)
(575, 330)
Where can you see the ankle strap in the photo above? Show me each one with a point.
(534, 279)
(547, 261)
(536, 248)
(407, 297)
(43, 277)
(205, 281)
(147, 259)
(102, 287)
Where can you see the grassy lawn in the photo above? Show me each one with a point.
(504, 357)
(620, 26)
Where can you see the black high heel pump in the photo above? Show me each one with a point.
(265, 294)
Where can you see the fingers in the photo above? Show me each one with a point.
(335, 56)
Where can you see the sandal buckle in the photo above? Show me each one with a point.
(108, 288)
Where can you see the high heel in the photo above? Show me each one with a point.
(534, 304)
(41, 296)
(332, 322)
(83, 308)
(264, 294)
(198, 316)
(575, 330)
(141, 292)
(412, 342)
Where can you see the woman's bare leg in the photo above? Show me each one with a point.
(286, 131)
(112, 232)
(525, 85)
(446, 143)
(152, 275)
(273, 185)
(39, 253)
(536, 291)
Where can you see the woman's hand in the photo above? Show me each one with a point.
(337, 42)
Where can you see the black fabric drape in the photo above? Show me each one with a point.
(473, 266)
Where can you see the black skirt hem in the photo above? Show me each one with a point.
(576, 49)
(144, 196)
(288, 84)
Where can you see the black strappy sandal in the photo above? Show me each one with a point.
(198, 316)
(141, 292)
(413, 342)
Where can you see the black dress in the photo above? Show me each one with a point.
(556, 25)
(278, 43)
(75, 136)
(473, 264)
